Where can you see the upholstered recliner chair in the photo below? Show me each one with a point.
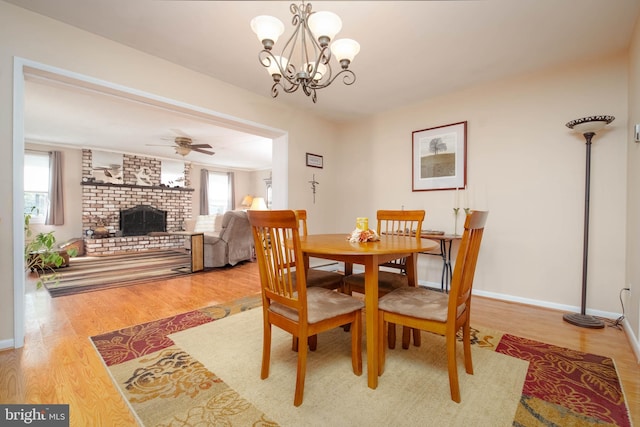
(229, 245)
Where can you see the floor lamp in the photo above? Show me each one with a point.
(587, 126)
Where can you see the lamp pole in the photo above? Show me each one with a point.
(588, 126)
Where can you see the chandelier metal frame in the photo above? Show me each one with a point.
(314, 53)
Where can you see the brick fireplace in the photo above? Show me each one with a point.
(102, 204)
(141, 220)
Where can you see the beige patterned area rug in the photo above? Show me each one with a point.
(203, 368)
(413, 390)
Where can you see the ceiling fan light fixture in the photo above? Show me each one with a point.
(183, 151)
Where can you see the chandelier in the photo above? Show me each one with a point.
(305, 60)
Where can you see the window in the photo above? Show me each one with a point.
(219, 193)
(36, 186)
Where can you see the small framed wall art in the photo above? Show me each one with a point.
(314, 160)
(440, 157)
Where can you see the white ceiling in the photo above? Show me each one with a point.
(410, 51)
(73, 116)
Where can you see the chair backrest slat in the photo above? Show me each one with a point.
(401, 223)
(466, 260)
(301, 214)
(277, 242)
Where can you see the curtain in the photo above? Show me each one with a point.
(55, 213)
(232, 191)
(204, 192)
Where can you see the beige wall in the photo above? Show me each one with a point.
(632, 299)
(527, 169)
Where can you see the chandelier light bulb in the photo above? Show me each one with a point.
(345, 49)
(324, 25)
(321, 71)
(272, 68)
(268, 29)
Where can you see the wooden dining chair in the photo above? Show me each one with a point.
(401, 223)
(299, 310)
(438, 312)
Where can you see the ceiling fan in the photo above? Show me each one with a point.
(184, 145)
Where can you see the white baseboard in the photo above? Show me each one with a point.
(528, 301)
(633, 340)
(7, 344)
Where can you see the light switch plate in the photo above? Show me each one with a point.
(637, 133)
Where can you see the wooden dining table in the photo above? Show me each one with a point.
(337, 247)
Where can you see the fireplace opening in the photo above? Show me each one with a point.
(141, 220)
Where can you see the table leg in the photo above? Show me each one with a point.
(348, 268)
(446, 258)
(371, 318)
(443, 254)
(412, 276)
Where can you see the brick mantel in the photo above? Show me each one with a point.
(147, 187)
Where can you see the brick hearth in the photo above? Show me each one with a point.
(119, 245)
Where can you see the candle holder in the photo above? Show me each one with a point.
(467, 211)
(455, 222)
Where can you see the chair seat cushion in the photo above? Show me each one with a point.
(323, 279)
(387, 281)
(322, 304)
(417, 302)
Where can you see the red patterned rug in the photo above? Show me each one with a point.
(562, 387)
(566, 387)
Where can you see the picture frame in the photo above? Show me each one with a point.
(315, 161)
(439, 157)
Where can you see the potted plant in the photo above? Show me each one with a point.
(41, 253)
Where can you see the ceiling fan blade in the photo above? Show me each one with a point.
(200, 146)
(199, 150)
(158, 145)
(180, 133)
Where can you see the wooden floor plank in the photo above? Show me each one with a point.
(59, 365)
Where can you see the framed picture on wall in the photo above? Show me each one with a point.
(314, 160)
(439, 157)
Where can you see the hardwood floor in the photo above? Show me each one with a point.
(59, 365)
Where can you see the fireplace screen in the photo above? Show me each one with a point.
(141, 220)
